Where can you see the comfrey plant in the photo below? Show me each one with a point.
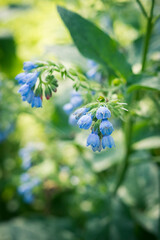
(122, 81)
(93, 115)
(36, 78)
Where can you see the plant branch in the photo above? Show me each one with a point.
(142, 8)
(129, 124)
(148, 35)
(125, 164)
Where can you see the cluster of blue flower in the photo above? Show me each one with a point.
(28, 80)
(100, 125)
(4, 133)
(93, 73)
(75, 102)
(27, 183)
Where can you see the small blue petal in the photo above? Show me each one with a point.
(72, 120)
(75, 94)
(36, 102)
(32, 78)
(24, 90)
(21, 78)
(25, 177)
(103, 113)
(107, 141)
(68, 108)
(85, 122)
(27, 66)
(76, 101)
(94, 140)
(28, 197)
(106, 127)
(80, 112)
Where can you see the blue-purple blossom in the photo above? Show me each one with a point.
(107, 141)
(32, 78)
(36, 102)
(29, 97)
(28, 66)
(75, 94)
(94, 140)
(21, 78)
(27, 184)
(5, 132)
(106, 127)
(28, 197)
(85, 122)
(72, 120)
(103, 113)
(24, 90)
(76, 101)
(25, 177)
(68, 108)
(80, 112)
(93, 72)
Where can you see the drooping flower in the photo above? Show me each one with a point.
(26, 186)
(36, 102)
(85, 121)
(80, 112)
(29, 97)
(72, 120)
(106, 127)
(76, 101)
(94, 140)
(68, 108)
(93, 72)
(24, 90)
(107, 141)
(75, 94)
(32, 78)
(21, 78)
(27, 66)
(103, 113)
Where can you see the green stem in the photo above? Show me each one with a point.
(148, 35)
(129, 125)
(125, 164)
(142, 8)
(158, 165)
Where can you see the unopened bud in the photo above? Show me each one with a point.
(39, 91)
(48, 92)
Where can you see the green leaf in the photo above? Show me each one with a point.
(114, 223)
(7, 53)
(148, 143)
(37, 228)
(93, 43)
(140, 190)
(144, 82)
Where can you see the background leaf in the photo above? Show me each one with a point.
(94, 43)
(144, 82)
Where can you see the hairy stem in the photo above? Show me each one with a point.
(148, 35)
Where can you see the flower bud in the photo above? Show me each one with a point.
(53, 87)
(39, 91)
(48, 92)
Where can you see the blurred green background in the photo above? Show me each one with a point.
(71, 195)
